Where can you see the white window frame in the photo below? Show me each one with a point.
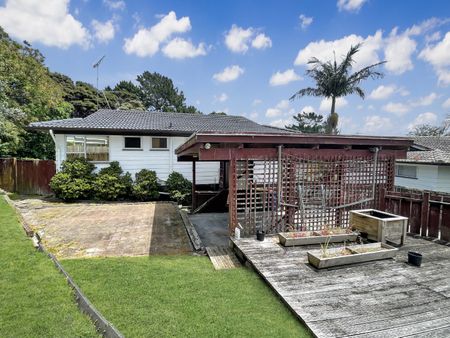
(160, 149)
(84, 146)
(132, 149)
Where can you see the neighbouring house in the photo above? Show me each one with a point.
(143, 139)
(427, 166)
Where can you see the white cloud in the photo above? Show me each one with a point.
(426, 100)
(261, 41)
(446, 104)
(146, 41)
(424, 118)
(305, 21)
(376, 124)
(283, 78)
(281, 123)
(325, 104)
(283, 104)
(396, 108)
(115, 5)
(46, 21)
(398, 52)
(221, 98)
(179, 48)
(438, 56)
(273, 112)
(382, 92)
(239, 39)
(323, 50)
(350, 5)
(103, 31)
(256, 102)
(307, 109)
(230, 73)
(253, 115)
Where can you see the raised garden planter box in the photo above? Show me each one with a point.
(350, 255)
(380, 226)
(316, 237)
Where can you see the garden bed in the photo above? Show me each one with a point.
(327, 258)
(335, 235)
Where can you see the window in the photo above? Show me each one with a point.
(93, 148)
(132, 143)
(407, 171)
(159, 143)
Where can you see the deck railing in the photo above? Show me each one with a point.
(428, 211)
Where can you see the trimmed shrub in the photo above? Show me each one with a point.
(69, 188)
(145, 186)
(109, 187)
(74, 181)
(111, 184)
(179, 188)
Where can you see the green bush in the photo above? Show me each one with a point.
(145, 186)
(111, 184)
(78, 168)
(109, 187)
(179, 188)
(69, 188)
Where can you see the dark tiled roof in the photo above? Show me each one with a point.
(145, 121)
(437, 150)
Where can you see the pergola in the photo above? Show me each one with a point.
(281, 182)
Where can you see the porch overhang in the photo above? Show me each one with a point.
(224, 147)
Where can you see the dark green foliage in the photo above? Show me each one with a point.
(179, 188)
(74, 181)
(108, 187)
(145, 186)
(159, 93)
(335, 80)
(111, 184)
(308, 123)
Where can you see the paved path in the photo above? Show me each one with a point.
(110, 229)
(212, 228)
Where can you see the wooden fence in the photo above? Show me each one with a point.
(26, 176)
(428, 211)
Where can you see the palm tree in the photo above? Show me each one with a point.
(335, 80)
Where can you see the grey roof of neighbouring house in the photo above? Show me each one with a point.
(433, 150)
(137, 121)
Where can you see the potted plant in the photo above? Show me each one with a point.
(260, 234)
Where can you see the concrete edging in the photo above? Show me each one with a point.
(196, 242)
(102, 325)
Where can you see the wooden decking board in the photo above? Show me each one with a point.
(222, 258)
(378, 299)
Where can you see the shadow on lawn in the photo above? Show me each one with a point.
(168, 235)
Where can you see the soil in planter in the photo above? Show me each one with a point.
(300, 234)
(332, 231)
(343, 252)
(377, 214)
(366, 250)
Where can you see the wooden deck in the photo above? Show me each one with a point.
(386, 298)
(222, 257)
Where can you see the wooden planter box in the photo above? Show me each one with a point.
(313, 237)
(354, 254)
(380, 226)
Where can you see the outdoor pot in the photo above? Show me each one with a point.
(414, 258)
(260, 235)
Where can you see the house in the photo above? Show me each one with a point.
(142, 139)
(427, 166)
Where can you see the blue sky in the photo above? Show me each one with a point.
(248, 57)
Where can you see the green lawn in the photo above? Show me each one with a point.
(35, 300)
(182, 296)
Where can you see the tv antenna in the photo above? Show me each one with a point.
(97, 66)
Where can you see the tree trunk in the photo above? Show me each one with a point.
(333, 117)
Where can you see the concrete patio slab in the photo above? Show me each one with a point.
(212, 228)
(106, 229)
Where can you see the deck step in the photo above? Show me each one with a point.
(222, 257)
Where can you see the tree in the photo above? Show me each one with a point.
(159, 93)
(128, 95)
(430, 130)
(308, 123)
(334, 80)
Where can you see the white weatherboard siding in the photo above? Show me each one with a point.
(429, 177)
(163, 162)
